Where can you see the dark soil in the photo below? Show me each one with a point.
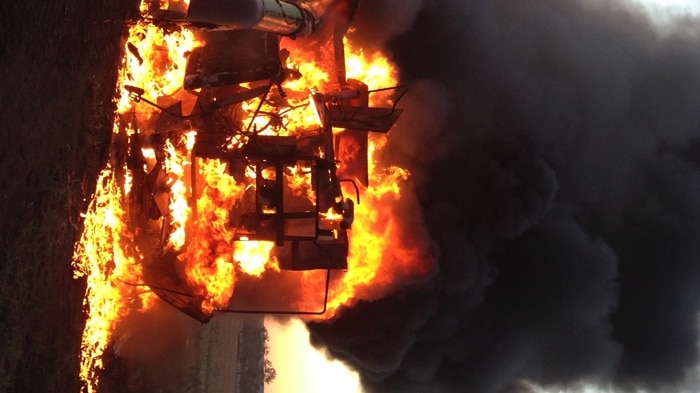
(58, 69)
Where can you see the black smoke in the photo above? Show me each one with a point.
(555, 151)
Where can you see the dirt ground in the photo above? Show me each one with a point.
(58, 63)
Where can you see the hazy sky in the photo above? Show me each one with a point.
(302, 368)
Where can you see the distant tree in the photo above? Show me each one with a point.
(269, 371)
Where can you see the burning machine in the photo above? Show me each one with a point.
(283, 177)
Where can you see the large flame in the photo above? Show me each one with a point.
(210, 253)
(209, 259)
(106, 257)
(155, 61)
(177, 165)
(106, 254)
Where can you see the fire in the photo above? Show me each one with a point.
(155, 62)
(106, 254)
(377, 258)
(299, 180)
(375, 70)
(199, 195)
(254, 257)
(177, 165)
(209, 260)
(106, 258)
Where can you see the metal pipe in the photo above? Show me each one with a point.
(275, 16)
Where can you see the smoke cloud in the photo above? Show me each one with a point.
(555, 153)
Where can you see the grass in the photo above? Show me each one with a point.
(36, 295)
(58, 67)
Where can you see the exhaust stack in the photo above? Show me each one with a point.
(275, 16)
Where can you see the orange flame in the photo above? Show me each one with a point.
(379, 257)
(176, 165)
(106, 254)
(155, 61)
(208, 261)
(254, 257)
(106, 257)
(374, 70)
(211, 252)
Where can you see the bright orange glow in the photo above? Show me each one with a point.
(106, 254)
(311, 75)
(154, 61)
(208, 260)
(198, 209)
(295, 115)
(254, 257)
(374, 70)
(298, 178)
(376, 256)
(303, 368)
(177, 165)
(107, 259)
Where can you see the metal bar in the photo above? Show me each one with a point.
(257, 110)
(357, 190)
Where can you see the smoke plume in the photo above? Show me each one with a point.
(555, 152)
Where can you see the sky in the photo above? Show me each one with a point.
(301, 367)
(554, 147)
(659, 9)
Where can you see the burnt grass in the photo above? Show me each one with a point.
(58, 69)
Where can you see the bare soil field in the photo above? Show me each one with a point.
(58, 64)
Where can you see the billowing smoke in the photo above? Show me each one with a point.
(555, 152)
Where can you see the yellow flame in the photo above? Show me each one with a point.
(208, 260)
(105, 254)
(177, 165)
(105, 257)
(374, 70)
(157, 64)
(253, 257)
